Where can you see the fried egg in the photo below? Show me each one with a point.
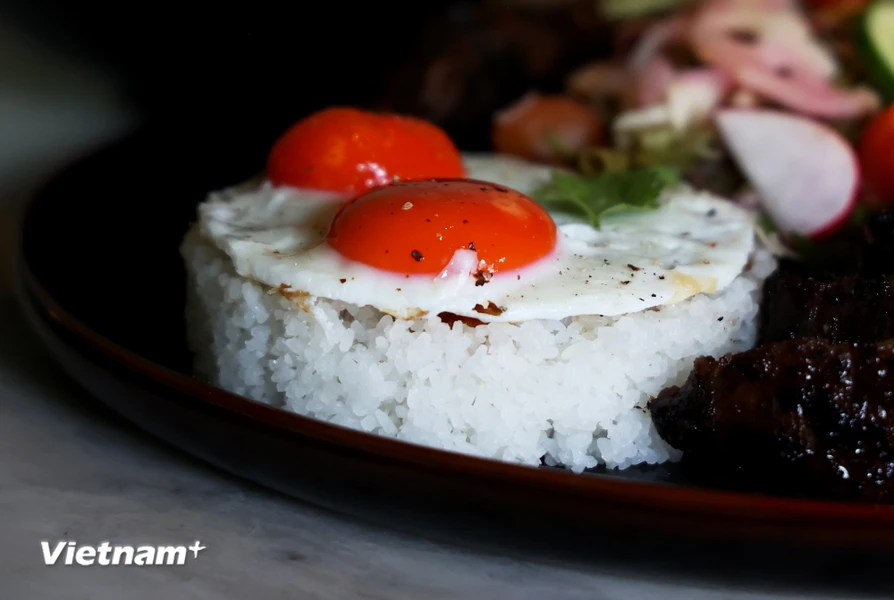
(305, 243)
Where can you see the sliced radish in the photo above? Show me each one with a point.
(806, 174)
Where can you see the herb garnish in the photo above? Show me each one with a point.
(593, 197)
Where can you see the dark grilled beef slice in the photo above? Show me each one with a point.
(878, 236)
(841, 309)
(842, 291)
(813, 415)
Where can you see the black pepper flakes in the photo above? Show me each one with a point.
(661, 277)
(633, 267)
(482, 277)
(471, 245)
(712, 212)
(625, 282)
(720, 319)
(489, 309)
(417, 255)
(465, 221)
(654, 295)
(502, 190)
(342, 280)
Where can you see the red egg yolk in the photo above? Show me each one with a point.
(416, 227)
(349, 150)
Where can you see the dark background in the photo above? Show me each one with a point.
(225, 81)
(234, 74)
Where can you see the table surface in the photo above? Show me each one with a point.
(69, 470)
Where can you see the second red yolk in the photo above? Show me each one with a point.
(349, 150)
(416, 227)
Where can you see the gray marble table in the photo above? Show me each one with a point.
(69, 470)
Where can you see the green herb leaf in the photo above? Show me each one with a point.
(592, 197)
(593, 161)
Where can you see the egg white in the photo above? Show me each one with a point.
(693, 243)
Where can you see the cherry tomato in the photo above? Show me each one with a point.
(415, 227)
(877, 157)
(542, 128)
(350, 150)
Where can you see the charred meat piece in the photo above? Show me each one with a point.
(804, 416)
(843, 291)
(840, 309)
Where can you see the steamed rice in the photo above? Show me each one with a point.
(570, 392)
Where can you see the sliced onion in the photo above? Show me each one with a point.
(744, 98)
(653, 81)
(694, 95)
(780, 38)
(631, 121)
(810, 97)
(655, 39)
(783, 62)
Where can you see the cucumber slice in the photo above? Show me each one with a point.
(877, 43)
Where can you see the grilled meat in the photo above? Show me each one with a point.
(843, 294)
(840, 309)
(803, 416)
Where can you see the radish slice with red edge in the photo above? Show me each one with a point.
(806, 173)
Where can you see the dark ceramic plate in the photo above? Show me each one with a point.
(100, 275)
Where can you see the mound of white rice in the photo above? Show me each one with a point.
(570, 392)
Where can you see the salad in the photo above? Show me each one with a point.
(785, 107)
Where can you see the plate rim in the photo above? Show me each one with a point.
(678, 500)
